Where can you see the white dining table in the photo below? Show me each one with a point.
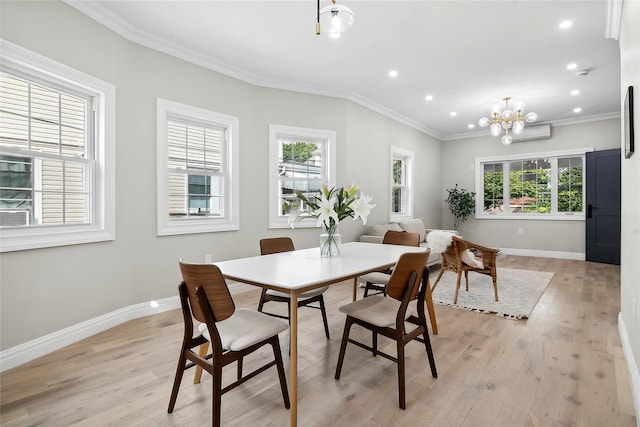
(298, 271)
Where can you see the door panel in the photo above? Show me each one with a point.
(603, 206)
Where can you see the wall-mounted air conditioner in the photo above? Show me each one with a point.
(532, 133)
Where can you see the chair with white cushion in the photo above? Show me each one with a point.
(233, 334)
(377, 281)
(464, 256)
(394, 316)
(305, 299)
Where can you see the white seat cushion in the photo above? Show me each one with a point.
(304, 295)
(376, 277)
(468, 258)
(245, 328)
(377, 310)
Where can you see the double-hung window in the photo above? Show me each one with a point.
(56, 153)
(535, 186)
(197, 170)
(300, 159)
(401, 184)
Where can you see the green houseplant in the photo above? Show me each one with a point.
(461, 204)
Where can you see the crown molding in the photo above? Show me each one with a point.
(102, 15)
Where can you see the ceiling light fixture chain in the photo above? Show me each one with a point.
(507, 119)
(334, 19)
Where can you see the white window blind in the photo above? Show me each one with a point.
(45, 165)
(197, 170)
(57, 153)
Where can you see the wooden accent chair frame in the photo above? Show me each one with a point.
(233, 333)
(390, 315)
(305, 299)
(456, 259)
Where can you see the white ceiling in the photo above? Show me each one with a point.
(467, 54)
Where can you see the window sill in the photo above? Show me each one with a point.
(535, 217)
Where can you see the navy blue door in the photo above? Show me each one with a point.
(603, 206)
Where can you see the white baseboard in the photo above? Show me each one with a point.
(632, 366)
(33, 349)
(23, 353)
(544, 254)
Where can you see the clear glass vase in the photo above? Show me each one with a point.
(330, 242)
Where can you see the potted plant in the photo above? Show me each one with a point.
(461, 204)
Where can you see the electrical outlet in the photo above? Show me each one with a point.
(207, 259)
(521, 231)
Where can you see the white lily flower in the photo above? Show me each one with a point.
(362, 208)
(326, 211)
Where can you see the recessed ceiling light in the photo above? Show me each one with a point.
(577, 110)
(471, 125)
(429, 97)
(393, 73)
(453, 114)
(565, 24)
(572, 66)
(575, 92)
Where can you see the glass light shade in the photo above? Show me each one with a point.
(495, 109)
(507, 124)
(507, 114)
(519, 106)
(336, 18)
(518, 127)
(531, 117)
(495, 129)
(506, 140)
(483, 122)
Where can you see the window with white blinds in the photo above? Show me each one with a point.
(300, 159)
(46, 135)
(56, 153)
(196, 165)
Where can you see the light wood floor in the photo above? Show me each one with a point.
(563, 366)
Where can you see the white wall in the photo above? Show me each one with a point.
(46, 290)
(539, 235)
(630, 267)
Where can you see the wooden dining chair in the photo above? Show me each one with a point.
(460, 256)
(390, 316)
(305, 299)
(377, 281)
(233, 333)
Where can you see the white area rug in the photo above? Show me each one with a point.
(518, 292)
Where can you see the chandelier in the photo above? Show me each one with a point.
(334, 19)
(507, 119)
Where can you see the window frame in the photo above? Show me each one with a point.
(41, 69)
(554, 215)
(326, 137)
(230, 220)
(396, 153)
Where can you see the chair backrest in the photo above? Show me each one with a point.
(210, 278)
(407, 264)
(401, 238)
(275, 245)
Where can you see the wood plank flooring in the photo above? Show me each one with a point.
(564, 366)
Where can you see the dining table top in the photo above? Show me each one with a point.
(305, 269)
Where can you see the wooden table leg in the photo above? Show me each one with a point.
(293, 360)
(430, 308)
(355, 288)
